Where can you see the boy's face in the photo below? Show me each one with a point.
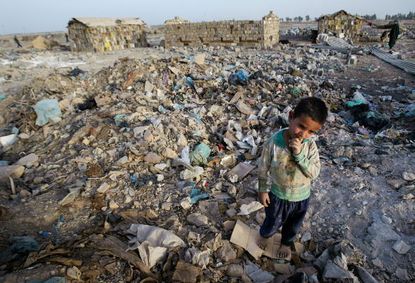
(302, 127)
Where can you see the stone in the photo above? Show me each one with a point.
(408, 196)
(306, 237)
(185, 203)
(113, 205)
(234, 270)
(226, 252)
(333, 272)
(283, 268)
(28, 161)
(402, 274)
(197, 219)
(407, 176)
(122, 161)
(365, 276)
(244, 108)
(73, 273)
(169, 153)
(228, 225)
(152, 157)
(166, 205)
(191, 174)
(12, 171)
(401, 247)
(231, 212)
(103, 188)
(396, 183)
(24, 136)
(24, 193)
(200, 58)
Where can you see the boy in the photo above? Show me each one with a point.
(290, 160)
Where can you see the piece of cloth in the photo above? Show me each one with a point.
(288, 176)
(289, 215)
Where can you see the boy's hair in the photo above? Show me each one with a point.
(313, 107)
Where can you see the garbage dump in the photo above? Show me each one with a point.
(146, 171)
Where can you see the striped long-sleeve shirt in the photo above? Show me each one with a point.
(288, 176)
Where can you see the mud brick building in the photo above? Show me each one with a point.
(106, 34)
(263, 33)
(341, 24)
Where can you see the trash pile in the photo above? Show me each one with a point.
(151, 165)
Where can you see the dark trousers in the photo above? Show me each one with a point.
(289, 215)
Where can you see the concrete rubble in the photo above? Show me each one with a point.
(149, 163)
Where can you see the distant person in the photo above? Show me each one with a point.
(393, 33)
(290, 160)
(17, 42)
(66, 37)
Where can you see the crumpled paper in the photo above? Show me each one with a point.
(152, 242)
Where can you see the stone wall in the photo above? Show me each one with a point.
(264, 33)
(348, 25)
(105, 38)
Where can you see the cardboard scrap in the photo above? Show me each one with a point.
(240, 171)
(247, 238)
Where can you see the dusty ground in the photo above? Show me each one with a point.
(352, 200)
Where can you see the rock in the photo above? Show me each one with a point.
(152, 157)
(226, 252)
(396, 183)
(103, 188)
(199, 58)
(407, 176)
(24, 193)
(283, 268)
(113, 205)
(12, 171)
(333, 272)
(186, 272)
(197, 219)
(378, 263)
(24, 136)
(402, 274)
(408, 196)
(231, 212)
(401, 247)
(122, 161)
(244, 108)
(29, 160)
(73, 273)
(169, 153)
(7, 141)
(257, 274)
(94, 170)
(192, 174)
(228, 225)
(365, 276)
(306, 237)
(234, 270)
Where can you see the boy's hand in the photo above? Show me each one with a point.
(295, 146)
(264, 198)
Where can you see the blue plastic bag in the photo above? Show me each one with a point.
(200, 154)
(240, 77)
(47, 110)
(196, 195)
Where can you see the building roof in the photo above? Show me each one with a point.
(106, 22)
(341, 12)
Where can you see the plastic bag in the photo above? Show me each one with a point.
(47, 110)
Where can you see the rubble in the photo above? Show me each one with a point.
(170, 142)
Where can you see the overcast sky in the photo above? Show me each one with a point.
(27, 16)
